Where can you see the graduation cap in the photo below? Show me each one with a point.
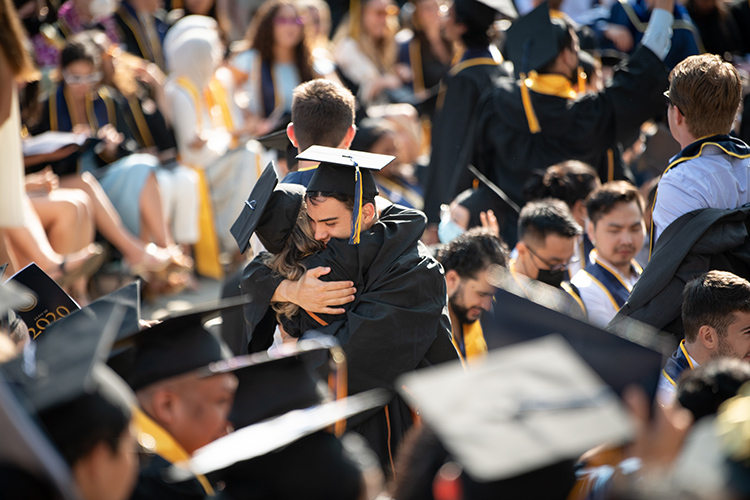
(273, 384)
(268, 212)
(535, 40)
(178, 345)
(345, 172)
(65, 363)
(47, 304)
(620, 362)
(483, 12)
(275, 140)
(26, 449)
(525, 408)
(264, 437)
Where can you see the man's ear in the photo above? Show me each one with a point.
(522, 248)
(708, 336)
(452, 279)
(164, 406)
(348, 138)
(368, 214)
(590, 231)
(290, 134)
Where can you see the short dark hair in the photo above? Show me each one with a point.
(322, 113)
(712, 299)
(601, 201)
(81, 48)
(568, 181)
(346, 199)
(96, 419)
(472, 252)
(548, 216)
(703, 389)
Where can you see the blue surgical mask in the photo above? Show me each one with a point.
(448, 230)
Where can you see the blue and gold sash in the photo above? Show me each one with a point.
(609, 280)
(728, 144)
(99, 110)
(677, 363)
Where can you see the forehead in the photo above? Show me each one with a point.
(325, 208)
(480, 283)
(740, 320)
(623, 212)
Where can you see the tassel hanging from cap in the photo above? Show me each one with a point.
(357, 211)
(531, 118)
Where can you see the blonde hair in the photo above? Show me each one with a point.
(288, 262)
(384, 52)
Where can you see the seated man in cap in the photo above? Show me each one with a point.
(397, 322)
(541, 120)
(616, 228)
(82, 405)
(181, 409)
(716, 317)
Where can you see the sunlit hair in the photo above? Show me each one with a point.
(384, 52)
(13, 44)
(260, 37)
(289, 261)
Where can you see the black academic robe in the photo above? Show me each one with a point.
(588, 128)
(397, 323)
(152, 484)
(464, 84)
(139, 39)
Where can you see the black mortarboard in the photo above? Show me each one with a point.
(525, 408)
(620, 362)
(27, 450)
(483, 12)
(264, 437)
(65, 363)
(176, 346)
(345, 172)
(535, 40)
(129, 298)
(275, 140)
(271, 212)
(49, 302)
(273, 384)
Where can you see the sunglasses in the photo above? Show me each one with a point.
(288, 20)
(89, 79)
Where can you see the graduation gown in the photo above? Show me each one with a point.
(142, 40)
(397, 323)
(586, 128)
(463, 86)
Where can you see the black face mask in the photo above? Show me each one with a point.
(552, 278)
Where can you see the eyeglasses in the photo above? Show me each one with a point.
(90, 79)
(669, 101)
(554, 267)
(288, 20)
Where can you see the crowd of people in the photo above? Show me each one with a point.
(466, 250)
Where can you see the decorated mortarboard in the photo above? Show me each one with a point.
(271, 384)
(535, 40)
(264, 437)
(25, 449)
(517, 316)
(522, 409)
(346, 172)
(270, 211)
(178, 345)
(65, 364)
(47, 304)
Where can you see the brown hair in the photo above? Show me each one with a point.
(260, 36)
(707, 91)
(711, 299)
(322, 113)
(289, 262)
(602, 200)
(13, 42)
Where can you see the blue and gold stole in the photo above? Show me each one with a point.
(606, 278)
(100, 110)
(728, 144)
(677, 363)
